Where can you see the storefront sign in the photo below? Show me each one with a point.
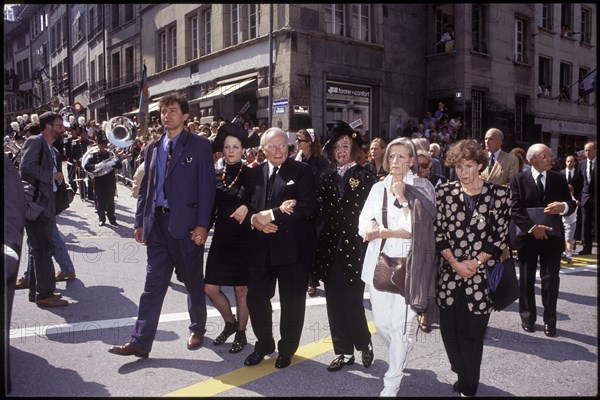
(348, 90)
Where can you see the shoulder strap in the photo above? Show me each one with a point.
(384, 216)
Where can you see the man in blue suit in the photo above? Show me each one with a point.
(174, 207)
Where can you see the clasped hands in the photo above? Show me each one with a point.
(199, 235)
(263, 221)
(466, 268)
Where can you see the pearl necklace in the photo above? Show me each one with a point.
(234, 180)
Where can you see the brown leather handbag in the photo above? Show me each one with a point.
(390, 272)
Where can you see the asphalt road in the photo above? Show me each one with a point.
(63, 352)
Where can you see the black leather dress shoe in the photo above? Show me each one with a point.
(528, 327)
(283, 361)
(339, 363)
(101, 223)
(129, 349)
(254, 358)
(549, 330)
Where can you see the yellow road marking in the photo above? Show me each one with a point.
(244, 375)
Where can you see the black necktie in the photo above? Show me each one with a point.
(169, 154)
(570, 176)
(540, 187)
(491, 164)
(270, 185)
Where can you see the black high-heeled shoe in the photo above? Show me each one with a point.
(230, 329)
(239, 342)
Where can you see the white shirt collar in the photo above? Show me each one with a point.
(535, 174)
(271, 166)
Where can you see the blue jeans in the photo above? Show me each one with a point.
(61, 255)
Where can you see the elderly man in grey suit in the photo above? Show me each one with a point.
(39, 167)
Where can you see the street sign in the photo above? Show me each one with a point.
(356, 123)
(279, 110)
(280, 103)
(301, 110)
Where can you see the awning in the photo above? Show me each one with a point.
(151, 107)
(222, 91)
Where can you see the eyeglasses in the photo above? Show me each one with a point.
(273, 147)
(61, 125)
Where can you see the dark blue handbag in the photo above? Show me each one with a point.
(502, 284)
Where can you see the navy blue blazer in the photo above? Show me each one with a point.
(189, 183)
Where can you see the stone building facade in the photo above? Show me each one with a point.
(380, 67)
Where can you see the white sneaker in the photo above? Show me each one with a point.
(388, 392)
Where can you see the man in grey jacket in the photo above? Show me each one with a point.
(39, 167)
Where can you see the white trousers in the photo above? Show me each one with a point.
(389, 312)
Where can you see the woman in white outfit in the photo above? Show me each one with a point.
(410, 216)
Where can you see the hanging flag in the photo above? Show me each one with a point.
(143, 111)
(587, 84)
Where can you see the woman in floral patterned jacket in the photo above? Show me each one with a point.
(471, 231)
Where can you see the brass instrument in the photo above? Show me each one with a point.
(11, 146)
(68, 115)
(101, 168)
(119, 131)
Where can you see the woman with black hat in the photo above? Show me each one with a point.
(309, 152)
(342, 191)
(225, 265)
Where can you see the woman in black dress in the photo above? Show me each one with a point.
(226, 262)
(342, 192)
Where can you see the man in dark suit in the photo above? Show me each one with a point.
(39, 167)
(587, 171)
(174, 207)
(540, 187)
(282, 243)
(571, 174)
